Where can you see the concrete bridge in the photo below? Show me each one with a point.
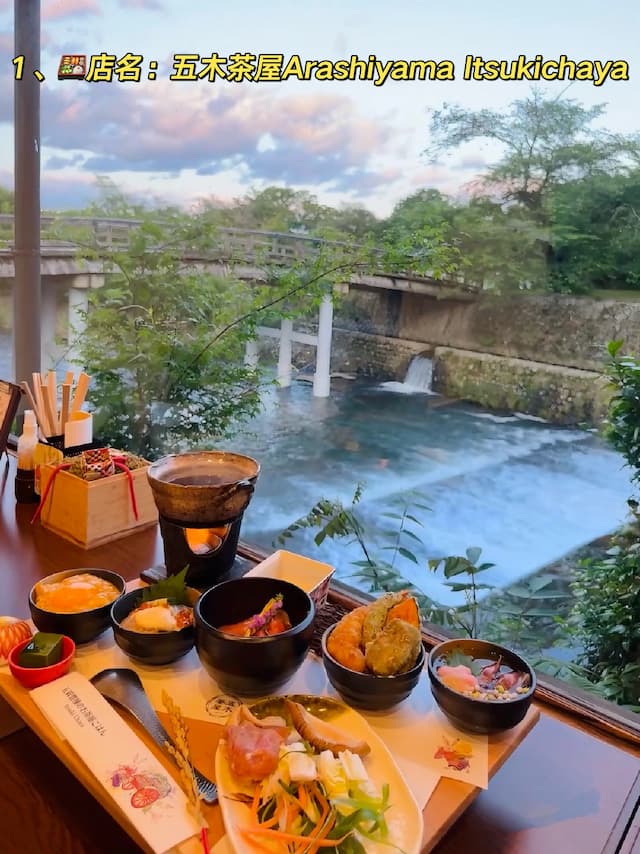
(67, 277)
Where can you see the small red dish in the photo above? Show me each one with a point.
(33, 677)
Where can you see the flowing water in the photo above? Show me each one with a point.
(417, 380)
(524, 491)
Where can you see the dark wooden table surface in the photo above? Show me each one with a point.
(566, 789)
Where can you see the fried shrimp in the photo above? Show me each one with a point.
(376, 615)
(345, 641)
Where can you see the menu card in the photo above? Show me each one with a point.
(119, 759)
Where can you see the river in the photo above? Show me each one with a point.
(526, 492)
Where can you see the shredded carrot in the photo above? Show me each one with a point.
(290, 837)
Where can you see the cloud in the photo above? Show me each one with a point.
(170, 127)
(55, 9)
(471, 162)
(153, 5)
(67, 192)
(58, 162)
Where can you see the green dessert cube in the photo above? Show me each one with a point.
(43, 649)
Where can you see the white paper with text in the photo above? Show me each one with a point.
(119, 759)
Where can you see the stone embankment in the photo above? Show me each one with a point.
(543, 355)
(558, 394)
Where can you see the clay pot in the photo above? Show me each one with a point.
(202, 488)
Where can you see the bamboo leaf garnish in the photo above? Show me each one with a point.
(173, 588)
(179, 732)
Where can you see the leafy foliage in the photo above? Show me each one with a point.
(623, 417)
(335, 521)
(529, 616)
(606, 619)
(464, 616)
(500, 619)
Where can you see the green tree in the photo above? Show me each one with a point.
(164, 338)
(545, 142)
(596, 231)
(545, 145)
(7, 201)
(275, 209)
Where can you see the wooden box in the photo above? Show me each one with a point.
(91, 513)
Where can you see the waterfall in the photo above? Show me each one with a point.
(419, 374)
(417, 379)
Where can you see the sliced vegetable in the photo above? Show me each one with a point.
(406, 610)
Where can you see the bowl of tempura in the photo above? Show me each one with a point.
(374, 655)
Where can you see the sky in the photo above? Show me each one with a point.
(346, 142)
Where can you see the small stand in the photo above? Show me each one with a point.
(10, 395)
(159, 573)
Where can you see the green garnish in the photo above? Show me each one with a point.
(173, 588)
(456, 656)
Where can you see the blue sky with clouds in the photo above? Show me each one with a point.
(343, 141)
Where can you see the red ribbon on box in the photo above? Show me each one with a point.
(102, 461)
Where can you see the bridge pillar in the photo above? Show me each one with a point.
(251, 354)
(322, 376)
(284, 357)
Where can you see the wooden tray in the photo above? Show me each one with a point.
(447, 803)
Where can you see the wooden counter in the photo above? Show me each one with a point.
(565, 789)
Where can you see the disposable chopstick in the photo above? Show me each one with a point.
(51, 418)
(32, 404)
(82, 387)
(64, 410)
(53, 400)
(37, 393)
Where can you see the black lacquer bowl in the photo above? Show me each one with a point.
(153, 648)
(252, 666)
(80, 626)
(475, 715)
(366, 690)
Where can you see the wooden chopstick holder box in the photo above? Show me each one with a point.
(90, 513)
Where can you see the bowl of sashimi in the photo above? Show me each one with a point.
(480, 686)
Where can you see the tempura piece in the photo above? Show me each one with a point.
(394, 650)
(377, 613)
(345, 641)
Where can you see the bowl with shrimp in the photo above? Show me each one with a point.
(480, 686)
(253, 633)
(374, 655)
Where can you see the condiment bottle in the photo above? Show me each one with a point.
(25, 474)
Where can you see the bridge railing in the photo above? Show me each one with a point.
(228, 243)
